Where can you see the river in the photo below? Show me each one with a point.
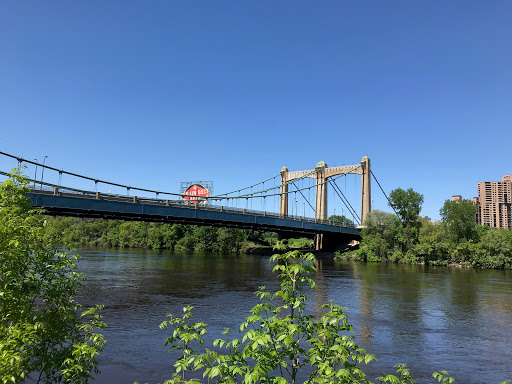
(431, 318)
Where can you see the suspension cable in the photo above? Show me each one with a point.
(250, 186)
(349, 206)
(252, 194)
(307, 201)
(86, 177)
(389, 201)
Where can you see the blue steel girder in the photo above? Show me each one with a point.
(94, 208)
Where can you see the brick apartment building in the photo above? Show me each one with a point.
(494, 203)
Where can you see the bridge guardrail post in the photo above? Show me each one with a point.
(55, 191)
(97, 196)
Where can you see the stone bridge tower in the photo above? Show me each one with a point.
(321, 174)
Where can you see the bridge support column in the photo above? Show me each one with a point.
(321, 192)
(319, 241)
(283, 205)
(366, 196)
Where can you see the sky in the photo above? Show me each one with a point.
(152, 94)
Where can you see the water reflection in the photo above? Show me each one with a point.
(431, 318)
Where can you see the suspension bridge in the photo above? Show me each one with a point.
(232, 209)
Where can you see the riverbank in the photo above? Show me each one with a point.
(386, 239)
(472, 261)
(75, 232)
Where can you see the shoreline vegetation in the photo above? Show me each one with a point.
(132, 234)
(407, 238)
(73, 232)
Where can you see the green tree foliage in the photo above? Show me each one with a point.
(230, 239)
(340, 220)
(378, 236)
(407, 205)
(494, 250)
(44, 333)
(133, 234)
(460, 220)
(456, 240)
(434, 246)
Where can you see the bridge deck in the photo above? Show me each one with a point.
(154, 210)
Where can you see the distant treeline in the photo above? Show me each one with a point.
(136, 234)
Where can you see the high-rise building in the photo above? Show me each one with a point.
(495, 203)
(457, 198)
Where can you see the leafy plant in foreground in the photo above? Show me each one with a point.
(44, 334)
(184, 333)
(280, 343)
(279, 339)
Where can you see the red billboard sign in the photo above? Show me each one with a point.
(195, 193)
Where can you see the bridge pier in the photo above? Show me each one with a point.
(331, 242)
(319, 241)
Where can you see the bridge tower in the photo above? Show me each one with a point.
(322, 173)
(283, 202)
(321, 191)
(366, 192)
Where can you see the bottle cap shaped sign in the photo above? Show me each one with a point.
(195, 193)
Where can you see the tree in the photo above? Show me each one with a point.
(44, 333)
(206, 238)
(433, 246)
(460, 220)
(340, 219)
(378, 237)
(407, 205)
(231, 239)
(495, 249)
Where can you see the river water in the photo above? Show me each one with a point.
(431, 318)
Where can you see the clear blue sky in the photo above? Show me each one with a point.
(155, 93)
